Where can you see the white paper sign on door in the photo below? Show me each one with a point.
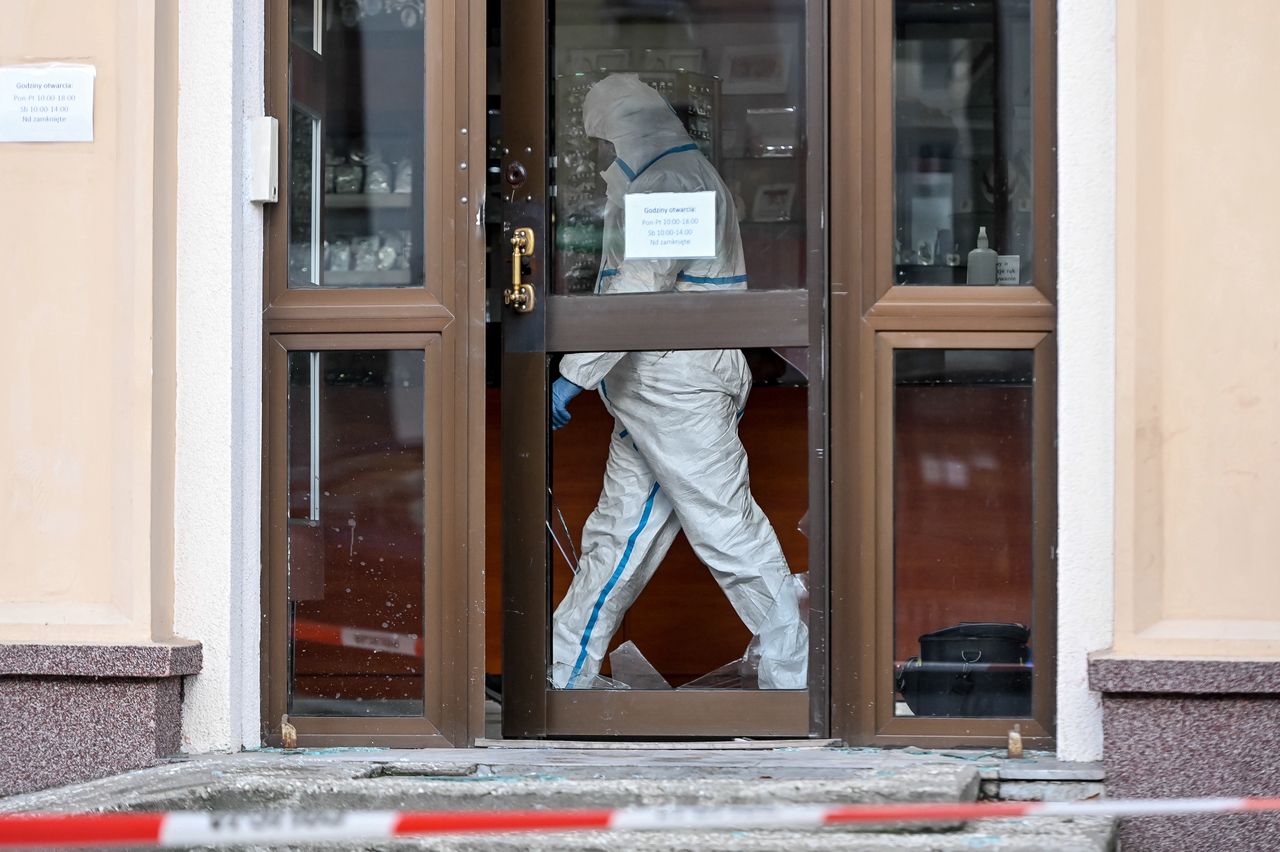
(670, 225)
(46, 103)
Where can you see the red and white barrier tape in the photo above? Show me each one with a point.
(178, 829)
(406, 644)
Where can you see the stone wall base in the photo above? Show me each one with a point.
(1191, 728)
(72, 713)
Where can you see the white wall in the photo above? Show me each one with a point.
(219, 342)
(1086, 361)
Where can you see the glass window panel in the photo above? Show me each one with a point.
(963, 142)
(962, 514)
(357, 494)
(698, 582)
(303, 15)
(371, 153)
(735, 79)
(304, 163)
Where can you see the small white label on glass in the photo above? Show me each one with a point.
(1008, 269)
(679, 225)
(46, 103)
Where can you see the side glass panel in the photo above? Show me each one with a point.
(304, 200)
(963, 522)
(357, 495)
(369, 181)
(963, 167)
(304, 27)
(730, 119)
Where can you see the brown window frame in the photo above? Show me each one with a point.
(863, 305)
(444, 318)
(871, 314)
(905, 730)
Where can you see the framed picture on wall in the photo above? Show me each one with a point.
(773, 202)
(773, 132)
(755, 69)
(585, 61)
(682, 59)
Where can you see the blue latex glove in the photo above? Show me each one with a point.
(562, 392)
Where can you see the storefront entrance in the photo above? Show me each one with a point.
(807, 487)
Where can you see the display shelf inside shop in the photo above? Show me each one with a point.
(367, 200)
(936, 274)
(368, 278)
(941, 275)
(579, 192)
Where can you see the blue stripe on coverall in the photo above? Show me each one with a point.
(679, 149)
(632, 175)
(613, 581)
(712, 279)
(607, 272)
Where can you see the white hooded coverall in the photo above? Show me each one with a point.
(675, 459)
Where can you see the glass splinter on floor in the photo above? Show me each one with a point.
(580, 682)
(775, 642)
(629, 666)
(740, 674)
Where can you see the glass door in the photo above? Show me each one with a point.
(663, 384)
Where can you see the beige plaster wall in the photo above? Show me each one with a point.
(1198, 329)
(85, 432)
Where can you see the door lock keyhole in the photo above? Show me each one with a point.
(516, 174)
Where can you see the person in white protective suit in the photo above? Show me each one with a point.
(675, 459)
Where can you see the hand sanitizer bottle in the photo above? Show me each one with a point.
(982, 262)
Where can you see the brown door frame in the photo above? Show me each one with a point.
(525, 604)
(870, 316)
(445, 319)
(439, 621)
(863, 304)
(653, 321)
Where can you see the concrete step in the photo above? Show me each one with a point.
(528, 780)
(478, 779)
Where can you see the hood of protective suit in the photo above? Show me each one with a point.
(636, 119)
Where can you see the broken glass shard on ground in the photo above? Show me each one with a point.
(561, 673)
(629, 666)
(777, 656)
(740, 674)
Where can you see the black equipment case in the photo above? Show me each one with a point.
(970, 669)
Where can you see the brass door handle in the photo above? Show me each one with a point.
(520, 294)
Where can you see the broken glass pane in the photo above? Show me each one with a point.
(560, 673)
(629, 666)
